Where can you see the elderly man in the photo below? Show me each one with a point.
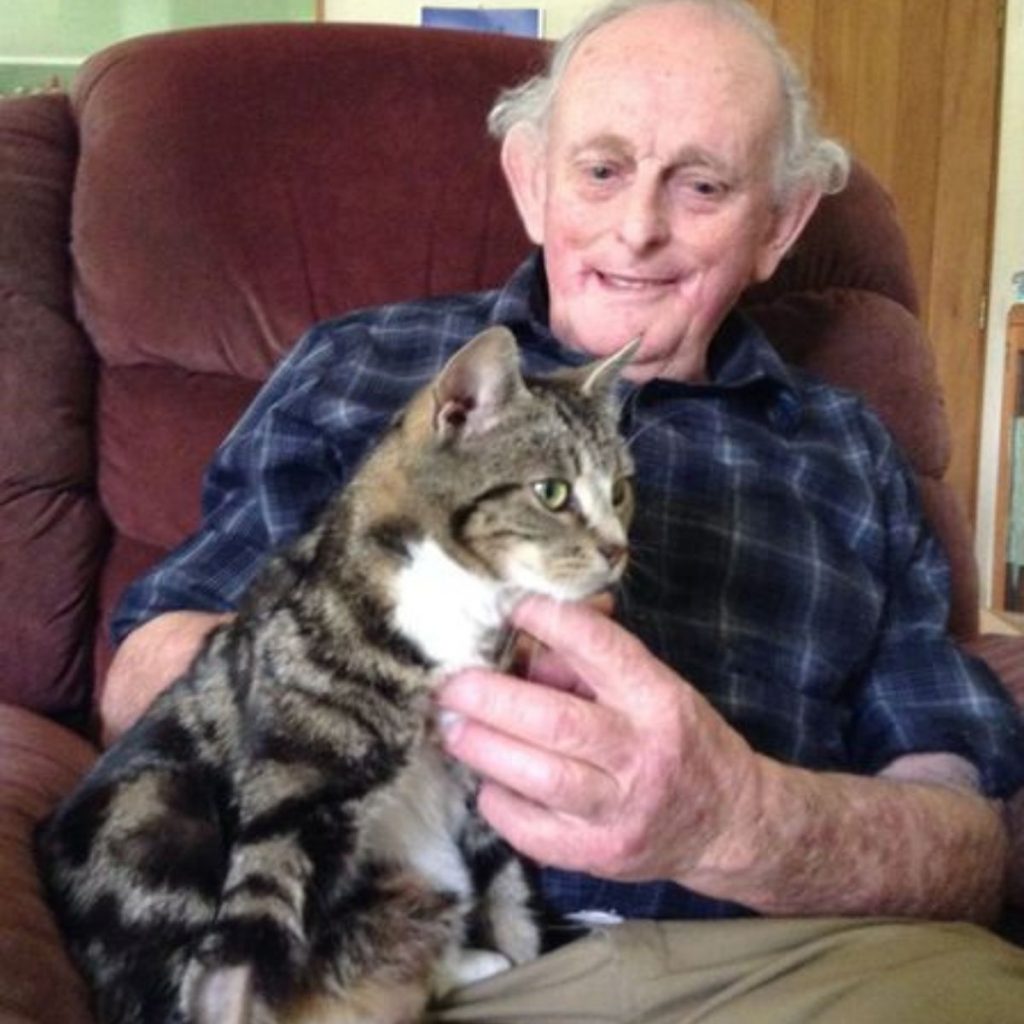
(776, 724)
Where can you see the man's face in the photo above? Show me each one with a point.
(654, 193)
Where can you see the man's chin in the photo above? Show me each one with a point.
(601, 335)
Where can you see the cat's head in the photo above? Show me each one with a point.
(525, 481)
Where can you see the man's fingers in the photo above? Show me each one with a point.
(533, 830)
(549, 669)
(532, 660)
(556, 782)
(538, 715)
(592, 646)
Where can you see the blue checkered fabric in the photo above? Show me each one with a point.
(779, 557)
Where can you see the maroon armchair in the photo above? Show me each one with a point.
(168, 231)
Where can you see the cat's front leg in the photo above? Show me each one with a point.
(506, 921)
(510, 911)
(221, 995)
(505, 916)
(260, 919)
(464, 967)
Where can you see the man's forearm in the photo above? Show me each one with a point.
(148, 661)
(824, 843)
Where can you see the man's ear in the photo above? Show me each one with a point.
(522, 160)
(787, 222)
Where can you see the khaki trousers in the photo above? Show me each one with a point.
(758, 972)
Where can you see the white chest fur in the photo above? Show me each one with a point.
(451, 613)
(453, 616)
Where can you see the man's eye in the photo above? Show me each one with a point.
(705, 188)
(599, 172)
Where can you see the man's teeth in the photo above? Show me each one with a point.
(634, 283)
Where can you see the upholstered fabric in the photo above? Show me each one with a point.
(237, 184)
(40, 761)
(1004, 655)
(51, 529)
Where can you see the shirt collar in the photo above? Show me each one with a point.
(522, 305)
(740, 357)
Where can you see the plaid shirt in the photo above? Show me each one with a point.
(779, 558)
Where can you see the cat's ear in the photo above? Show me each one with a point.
(598, 379)
(477, 384)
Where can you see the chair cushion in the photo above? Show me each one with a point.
(41, 761)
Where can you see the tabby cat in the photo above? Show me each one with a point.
(280, 838)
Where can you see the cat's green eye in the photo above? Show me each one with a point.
(553, 494)
(621, 490)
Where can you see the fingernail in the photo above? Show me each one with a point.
(450, 724)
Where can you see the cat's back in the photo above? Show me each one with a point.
(172, 767)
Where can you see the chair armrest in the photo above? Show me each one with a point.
(39, 762)
(1005, 656)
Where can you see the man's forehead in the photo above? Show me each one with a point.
(676, 75)
(671, 43)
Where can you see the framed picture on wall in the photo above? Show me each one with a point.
(513, 21)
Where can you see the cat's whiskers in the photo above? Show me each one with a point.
(636, 567)
(633, 437)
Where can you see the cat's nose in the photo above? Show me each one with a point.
(614, 554)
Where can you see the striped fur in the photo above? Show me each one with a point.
(280, 838)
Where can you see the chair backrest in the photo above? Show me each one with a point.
(234, 185)
(52, 528)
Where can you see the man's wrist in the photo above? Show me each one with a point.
(805, 842)
(737, 849)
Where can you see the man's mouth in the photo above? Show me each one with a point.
(634, 282)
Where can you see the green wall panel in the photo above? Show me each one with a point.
(45, 39)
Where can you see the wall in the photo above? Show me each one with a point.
(559, 15)
(1007, 259)
(44, 39)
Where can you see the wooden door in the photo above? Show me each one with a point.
(912, 87)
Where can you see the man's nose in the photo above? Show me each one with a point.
(645, 223)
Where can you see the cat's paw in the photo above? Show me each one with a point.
(218, 995)
(274, 956)
(516, 934)
(466, 966)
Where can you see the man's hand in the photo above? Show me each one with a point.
(616, 766)
(148, 661)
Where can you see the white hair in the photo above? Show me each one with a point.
(805, 157)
